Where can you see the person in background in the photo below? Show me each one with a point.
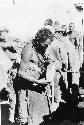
(73, 64)
(5, 62)
(74, 36)
(9, 59)
(76, 39)
(62, 52)
(64, 30)
(56, 26)
(3, 33)
(57, 30)
(48, 23)
(57, 54)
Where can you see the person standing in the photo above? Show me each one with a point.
(32, 102)
(6, 77)
(57, 55)
(76, 39)
(73, 66)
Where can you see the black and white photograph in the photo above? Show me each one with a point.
(41, 62)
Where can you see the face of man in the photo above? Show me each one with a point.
(47, 42)
(57, 27)
(44, 45)
(71, 27)
(48, 22)
(64, 28)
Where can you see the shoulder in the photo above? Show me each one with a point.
(27, 52)
(54, 46)
(55, 43)
(27, 48)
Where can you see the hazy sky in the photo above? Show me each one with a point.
(26, 16)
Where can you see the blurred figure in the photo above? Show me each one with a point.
(57, 54)
(64, 30)
(77, 40)
(5, 65)
(57, 30)
(9, 59)
(73, 62)
(61, 47)
(3, 33)
(13, 52)
(5, 62)
(56, 26)
(73, 35)
(71, 53)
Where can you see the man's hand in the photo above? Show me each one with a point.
(42, 81)
(32, 78)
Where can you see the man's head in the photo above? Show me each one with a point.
(57, 26)
(71, 26)
(3, 34)
(48, 22)
(42, 39)
(64, 30)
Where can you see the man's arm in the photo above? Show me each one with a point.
(26, 55)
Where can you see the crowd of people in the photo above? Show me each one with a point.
(40, 73)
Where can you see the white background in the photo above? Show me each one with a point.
(25, 17)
